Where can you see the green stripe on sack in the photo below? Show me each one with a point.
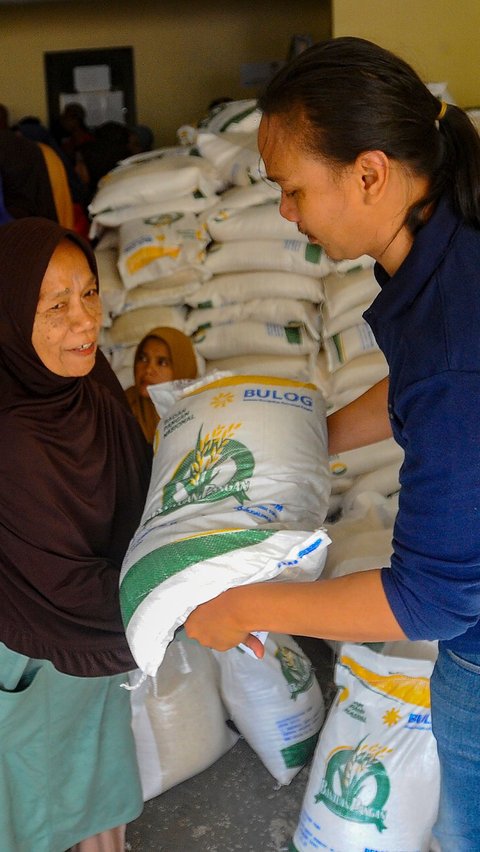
(313, 253)
(298, 754)
(164, 562)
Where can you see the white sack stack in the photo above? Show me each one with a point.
(152, 249)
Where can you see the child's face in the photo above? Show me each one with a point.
(152, 365)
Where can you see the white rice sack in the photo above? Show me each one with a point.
(249, 337)
(385, 481)
(363, 371)
(339, 486)
(112, 290)
(347, 291)
(153, 180)
(150, 249)
(362, 538)
(178, 719)
(238, 197)
(121, 360)
(108, 239)
(235, 287)
(262, 222)
(155, 154)
(343, 267)
(276, 703)
(321, 375)
(129, 328)
(232, 500)
(365, 459)
(190, 203)
(286, 312)
(241, 116)
(300, 368)
(420, 649)
(234, 155)
(375, 753)
(247, 419)
(173, 290)
(287, 255)
(347, 319)
(349, 344)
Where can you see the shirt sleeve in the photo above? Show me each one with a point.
(433, 581)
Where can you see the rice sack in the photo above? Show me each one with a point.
(238, 494)
(374, 782)
(276, 703)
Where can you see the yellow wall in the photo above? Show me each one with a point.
(438, 37)
(186, 52)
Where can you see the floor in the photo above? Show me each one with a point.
(235, 805)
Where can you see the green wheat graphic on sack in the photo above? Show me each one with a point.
(208, 456)
(356, 785)
(218, 467)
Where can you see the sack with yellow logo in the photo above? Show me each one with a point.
(374, 782)
(238, 494)
(157, 247)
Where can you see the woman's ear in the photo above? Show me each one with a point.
(373, 170)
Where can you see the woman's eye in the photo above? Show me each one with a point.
(290, 194)
(93, 293)
(163, 362)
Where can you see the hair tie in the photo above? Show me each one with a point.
(443, 109)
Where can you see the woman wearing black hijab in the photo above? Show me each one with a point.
(74, 469)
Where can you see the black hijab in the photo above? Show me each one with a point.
(74, 471)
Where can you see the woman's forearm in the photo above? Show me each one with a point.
(350, 608)
(363, 421)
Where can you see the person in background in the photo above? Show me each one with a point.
(369, 161)
(141, 139)
(4, 214)
(164, 354)
(73, 130)
(26, 183)
(31, 127)
(74, 473)
(4, 117)
(101, 154)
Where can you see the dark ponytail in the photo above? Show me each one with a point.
(348, 95)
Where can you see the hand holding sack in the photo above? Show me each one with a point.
(238, 493)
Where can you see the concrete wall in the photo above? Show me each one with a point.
(186, 52)
(438, 37)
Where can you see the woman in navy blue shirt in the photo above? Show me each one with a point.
(369, 161)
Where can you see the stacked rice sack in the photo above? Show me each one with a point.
(232, 500)
(258, 312)
(179, 717)
(152, 245)
(350, 363)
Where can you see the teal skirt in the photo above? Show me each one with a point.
(68, 766)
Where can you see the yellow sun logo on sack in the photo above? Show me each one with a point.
(391, 718)
(222, 399)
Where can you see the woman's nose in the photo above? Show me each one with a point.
(288, 209)
(150, 369)
(81, 316)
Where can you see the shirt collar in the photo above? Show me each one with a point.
(430, 245)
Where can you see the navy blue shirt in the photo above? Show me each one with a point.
(426, 320)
